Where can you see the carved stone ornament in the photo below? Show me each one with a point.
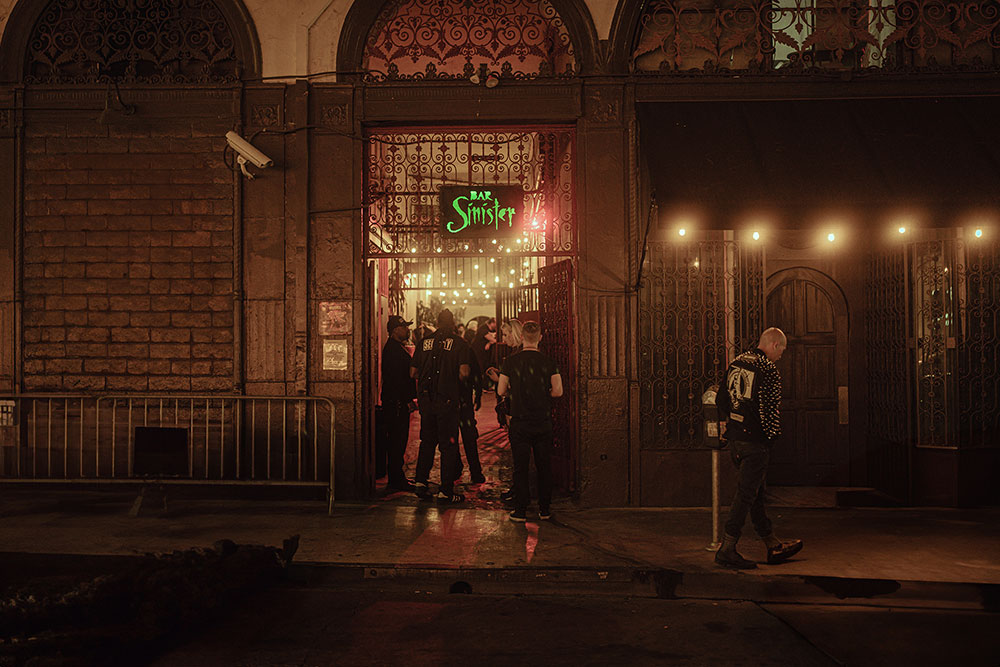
(334, 115)
(133, 41)
(602, 107)
(264, 115)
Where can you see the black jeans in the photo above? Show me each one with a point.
(397, 425)
(439, 429)
(750, 459)
(470, 440)
(527, 438)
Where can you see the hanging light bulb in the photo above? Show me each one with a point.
(510, 284)
(512, 272)
(492, 260)
(475, 266)
(460, 272)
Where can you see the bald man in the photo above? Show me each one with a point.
(748, 407)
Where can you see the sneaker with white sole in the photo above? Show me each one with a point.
(517, 516)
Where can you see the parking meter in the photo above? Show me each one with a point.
(711, 415)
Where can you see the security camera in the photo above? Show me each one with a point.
(246, 152)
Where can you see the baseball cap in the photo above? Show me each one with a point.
(396, 321)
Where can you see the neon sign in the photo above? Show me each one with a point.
(482, 211)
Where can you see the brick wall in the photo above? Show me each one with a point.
(128, 258)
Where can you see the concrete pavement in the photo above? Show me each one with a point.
(881, 556)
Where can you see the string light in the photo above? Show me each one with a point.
(413, 249)
(510, 284)
(831, 237)
(475, 266)
(979, 233)
(681, 231)
(756, 236)
(902, 230)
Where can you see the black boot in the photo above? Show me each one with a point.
(727, 556)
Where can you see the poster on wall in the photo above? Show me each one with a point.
(334, 318)
(335, 354)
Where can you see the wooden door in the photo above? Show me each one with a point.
(813, 449)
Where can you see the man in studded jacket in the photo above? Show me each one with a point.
(749, 407)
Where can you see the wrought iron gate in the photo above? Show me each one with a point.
(933, 333)
(700, 303)
(407, 167)
(556, 308)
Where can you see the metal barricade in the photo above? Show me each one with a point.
(229, 439)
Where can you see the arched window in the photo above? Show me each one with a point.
(415, 39)
(157, 41)
(816, 34)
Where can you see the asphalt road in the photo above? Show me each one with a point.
(308, 626)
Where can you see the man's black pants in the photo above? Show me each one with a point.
(439, 429)
(750, 459)
(397, 424)
(529, 438)
(470, 440)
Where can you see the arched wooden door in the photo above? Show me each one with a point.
(814, 446)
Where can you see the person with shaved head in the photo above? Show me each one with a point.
(749, 409)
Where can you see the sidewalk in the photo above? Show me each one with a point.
(907, 555)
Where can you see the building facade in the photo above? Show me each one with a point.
(687, 173)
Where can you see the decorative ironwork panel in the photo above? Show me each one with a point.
(456, 39)
(886, 362)
(556, 309)
(978, 374)
(405, 172)
(936, 300)
(700, 304)
(147, 41)
(885, 353)
(756, 35)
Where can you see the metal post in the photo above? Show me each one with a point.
(714, 545)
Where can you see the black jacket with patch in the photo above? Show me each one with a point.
(750, 400)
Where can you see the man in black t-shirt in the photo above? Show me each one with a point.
(531, 379)
(441, 366)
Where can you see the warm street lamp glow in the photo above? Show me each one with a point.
(681, 231)
(902, 230)
(510, 284)
(413, 249)
(979, 233)
(830, 237)
(475, 266)
(756, 236)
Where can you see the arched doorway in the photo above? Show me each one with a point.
(813, 449)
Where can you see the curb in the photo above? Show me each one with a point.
(651, 582)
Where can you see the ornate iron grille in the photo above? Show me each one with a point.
(405, 171)
(727, 35)
(979, 354)
(155, 41)
(888, 382)
(455, 39)
(700, 304)
(556, 308)
(937, 278)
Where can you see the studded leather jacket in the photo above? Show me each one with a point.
(750, 400)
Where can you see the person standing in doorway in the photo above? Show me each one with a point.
(532, 380)
(441, 366)
(399, 394)
(749, 410)
(472, 398)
